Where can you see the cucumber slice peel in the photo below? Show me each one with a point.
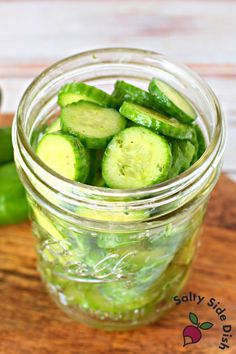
(156, 121)
(177, 159)
(124, 91)
(76, 91)
(106, 215)
(64, 154)
(136, 158)
(47, 224)
(183, 152)
(188, 150)
(201, 141)
(95, 173)
(172, 102)
(94, 125)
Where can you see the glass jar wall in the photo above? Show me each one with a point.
(114, 259)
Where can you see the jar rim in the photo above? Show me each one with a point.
(213, 150)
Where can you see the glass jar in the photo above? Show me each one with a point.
(114, 259)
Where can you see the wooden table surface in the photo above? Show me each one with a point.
(31, 323)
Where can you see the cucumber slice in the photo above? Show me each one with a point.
(64, 154)
(56, 245)
(136, 158)
(47, 225)
(147, 262)
(103, 215)
(115, 240)
(171, 101)
(126, 92)
(98, 180)
(94, 125)
(194, 141)
(55, 126)
(201, 141)
(95, 173)
(188, 150)
(177, 159)
(156, 121)
(76, 91)
(183, 152)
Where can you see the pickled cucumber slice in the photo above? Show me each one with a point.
(156, 121)
(64, 154)
(117, 240)
(177, 159)
(95, 173)
(76, 91)
(201, 141)
(94, 125)
(172, 102)
(136, 158)
(47, 225)
(124, 91)
(183, 152)
(188, 150)
(194, 141)
(112, 216)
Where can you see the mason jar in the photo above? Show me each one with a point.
(114, 258)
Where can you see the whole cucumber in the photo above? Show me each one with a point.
(6, 149)
(13, 203)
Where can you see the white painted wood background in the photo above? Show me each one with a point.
(202, 34)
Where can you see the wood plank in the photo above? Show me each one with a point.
(32, 324)
(158, 25)
(22, 71)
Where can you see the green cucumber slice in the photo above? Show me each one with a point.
(188, 150)
(47, 225)
(117, 240)
(172, 102)
(99, 181)
(201, 141)
(95, 173)
(156, 121)
(136, 158)
(177, 159)
(194, 141)
(106, 215)
(183, 152)
(64, 154)
(124, 91)
(55, 126)
(56, 245)
(76, 91)
(94, 125)
(146, 261)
